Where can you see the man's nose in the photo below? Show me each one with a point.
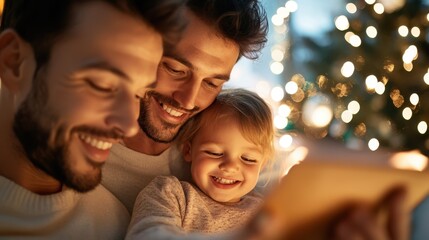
(124, 113)
(187, 94)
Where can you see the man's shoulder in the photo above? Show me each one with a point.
(92, 199)
(98, 201)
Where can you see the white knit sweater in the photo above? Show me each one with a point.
(127, 172)
(65, 215)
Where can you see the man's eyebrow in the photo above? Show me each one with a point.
(105, 66)
(184, 61)
(223, 77)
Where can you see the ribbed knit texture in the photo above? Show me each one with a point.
(65, 215)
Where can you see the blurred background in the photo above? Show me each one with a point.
(347, 80)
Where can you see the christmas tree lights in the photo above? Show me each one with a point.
(369, 87)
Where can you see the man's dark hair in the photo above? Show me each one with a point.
(243, 21)
(41, 22)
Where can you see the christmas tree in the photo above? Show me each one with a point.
(369, 85)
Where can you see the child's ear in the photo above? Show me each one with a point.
(17, 64)
(186, 151)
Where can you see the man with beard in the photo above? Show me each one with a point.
(72, 74)
(190, 76)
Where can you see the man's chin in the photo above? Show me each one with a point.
(156, 137)
(83, 182)
(83, 185)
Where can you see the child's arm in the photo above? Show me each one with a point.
(157, 205)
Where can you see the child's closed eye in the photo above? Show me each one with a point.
(213, 154)
(249, 160)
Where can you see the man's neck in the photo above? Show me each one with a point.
(13, 163)
(17, 168)
(143, 144)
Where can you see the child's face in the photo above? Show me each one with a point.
(225, 166)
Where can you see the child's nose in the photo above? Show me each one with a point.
(229, 165)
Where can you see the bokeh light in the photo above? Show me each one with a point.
(291, 87)
(407, 113)
(276, 68)
(347, 69)
(371, 31)
(277, 94)
(422, 127)
(353, 107)
(403, 30)
(342, 23)
(373, 144)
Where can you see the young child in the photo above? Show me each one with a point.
(226, 145)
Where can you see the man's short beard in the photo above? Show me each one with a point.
(157, 135)
(32, 126)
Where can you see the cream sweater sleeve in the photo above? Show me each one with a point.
(159, 203)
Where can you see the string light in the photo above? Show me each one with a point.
(291, 6)
(284, 110)
(407, 113)
(426, 78)
(380, 88)
(351, 8)
(280, 122)
(415, 31)
(346, 116)
(286, 141)
(291, 87)
(353, 107)
(342, 23)
(414, 99)
(371, 31)
(283, 12)
(379, 8)
(403, 31)
(373, 144)
(277, 55)
(276, 68)
(347, 69)
(277, 20)
(422, 127)
(277, 94)
(371, 82)
(355, 40)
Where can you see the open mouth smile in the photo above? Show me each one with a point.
(172, 111)
(225, 181)
(95, 142)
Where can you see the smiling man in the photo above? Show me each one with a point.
(72, 76)
(190, 76)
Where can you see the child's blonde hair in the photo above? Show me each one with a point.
(251, 112)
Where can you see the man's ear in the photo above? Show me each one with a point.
(186, 151)
(17, 64)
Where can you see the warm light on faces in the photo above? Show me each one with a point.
(92, 94)
(190, 76)
(224, 164)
